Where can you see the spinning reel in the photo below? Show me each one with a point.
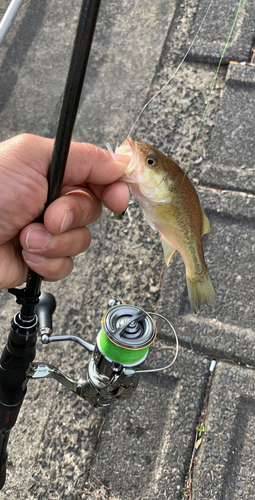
(122, 345)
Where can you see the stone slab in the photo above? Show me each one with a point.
(146, 442)
(34, 60)
(230, 160)
(228, 330)
(35, 57)
(225, 460)
(215, 30)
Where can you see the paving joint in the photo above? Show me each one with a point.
(171, 29)
(197, 440)
(243, 194)
(87, 479)
(198, 351)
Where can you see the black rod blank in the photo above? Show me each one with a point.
(71, 97)
(69, 107)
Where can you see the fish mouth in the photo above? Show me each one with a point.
(128, 147)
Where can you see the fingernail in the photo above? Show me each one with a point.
(32, 257)
(67, 221)
(121, 158)
(37, 239)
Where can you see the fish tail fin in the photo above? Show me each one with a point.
(201, 291)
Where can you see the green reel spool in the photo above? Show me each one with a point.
(126, 334)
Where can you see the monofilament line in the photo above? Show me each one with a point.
(213, 85)
(174, 73)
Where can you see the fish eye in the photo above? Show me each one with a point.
(151, 160)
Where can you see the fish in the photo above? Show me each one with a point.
(171, 206)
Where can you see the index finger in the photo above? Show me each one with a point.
(85, 162)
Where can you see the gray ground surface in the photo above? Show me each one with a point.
(142, 449)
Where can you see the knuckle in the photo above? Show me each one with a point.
(56, 269)
(22, 141)
(80, 241)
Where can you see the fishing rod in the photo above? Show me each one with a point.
(20, 349)
(127, 332)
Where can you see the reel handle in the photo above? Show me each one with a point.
(44, 310)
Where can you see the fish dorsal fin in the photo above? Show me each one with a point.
(168, 250)
(149, 220)
(206, 224)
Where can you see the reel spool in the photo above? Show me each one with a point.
(122, 344)
(126, 334)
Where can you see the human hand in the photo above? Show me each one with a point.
(91, 177)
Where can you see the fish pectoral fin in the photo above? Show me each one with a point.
(149, 220)
(167, 249)
(206, 224)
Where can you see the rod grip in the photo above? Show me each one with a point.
(3, 456)
(8, 417)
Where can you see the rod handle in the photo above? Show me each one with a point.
(3, 457)
(8, 417)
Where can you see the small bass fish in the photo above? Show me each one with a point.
(171, 205)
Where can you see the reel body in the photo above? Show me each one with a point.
(122, 345)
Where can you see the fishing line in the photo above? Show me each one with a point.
(213, 85)
(126, 335)
(174, 73)
(125, 356)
